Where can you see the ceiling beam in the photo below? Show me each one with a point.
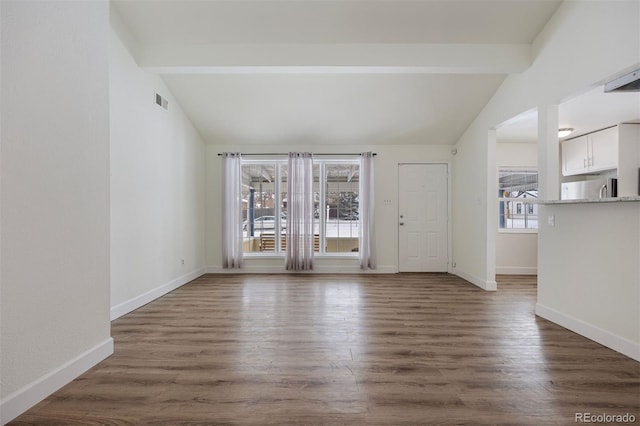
(336, 59)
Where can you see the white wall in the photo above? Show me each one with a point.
(590, 274)
(516, 253)
(629, 159)
(54, 197)
(157, 185)
(568, 60)
(517, 155)
(386, 181)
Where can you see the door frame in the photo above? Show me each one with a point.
(449, 209)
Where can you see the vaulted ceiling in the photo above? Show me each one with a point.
(333, 72)
(584, 113)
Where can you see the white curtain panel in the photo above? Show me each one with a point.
(232, 211)
(299, 254)
(367, 248)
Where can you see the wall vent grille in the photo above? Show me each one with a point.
(162, 102)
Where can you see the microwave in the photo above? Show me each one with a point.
(592, 189)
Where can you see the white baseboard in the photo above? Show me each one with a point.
(483, 284)
(516, 270)
(20, 401)
(246, 269)
(151, 295)
(320, 269)
(597, 334)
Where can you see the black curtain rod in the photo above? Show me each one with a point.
(286, 153)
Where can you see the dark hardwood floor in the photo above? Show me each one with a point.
(345, 349)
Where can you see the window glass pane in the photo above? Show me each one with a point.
(517, 193)
(341, 207)
(336, 213)
(316, 208)
(283, 207)
(283, 191)
(259, 207)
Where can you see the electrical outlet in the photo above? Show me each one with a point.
(182, 261)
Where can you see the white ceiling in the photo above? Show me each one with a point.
(585, 113)
(396, 21)
(520, 129)
(332, 72)
(333, 108)
(595, 110)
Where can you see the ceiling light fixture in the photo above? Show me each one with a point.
(564, 132)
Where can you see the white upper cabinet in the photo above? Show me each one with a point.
(604, 149)
(594, 152)
(575, 153)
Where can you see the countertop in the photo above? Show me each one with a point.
(593, 200)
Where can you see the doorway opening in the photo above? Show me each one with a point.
(516, 195)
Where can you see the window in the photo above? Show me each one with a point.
(336, 212)
(517, 195)
(341, 218)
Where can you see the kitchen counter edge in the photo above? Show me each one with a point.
(592, 200)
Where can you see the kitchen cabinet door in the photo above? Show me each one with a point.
(575, 154)
(604, 150)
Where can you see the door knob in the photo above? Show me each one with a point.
(401, 223)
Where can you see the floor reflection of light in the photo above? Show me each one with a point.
(521, 343)
(294, 333)
(337, 309)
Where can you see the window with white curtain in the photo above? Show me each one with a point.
(336, 205)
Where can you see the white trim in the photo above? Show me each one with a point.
(523, 200)
(590, 331)
(23, 399)
(319, 269)
(483, 284)
(517, 270)
(517, 230)
(449, 217)
(248, 269)
(281, 255)
(151, 295)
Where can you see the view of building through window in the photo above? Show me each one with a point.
(336, 213)
(517, 195)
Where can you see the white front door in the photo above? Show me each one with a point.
(422, 218)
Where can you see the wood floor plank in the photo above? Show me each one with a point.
(345, 349)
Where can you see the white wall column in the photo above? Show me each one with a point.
(492, 210)
(548, 153)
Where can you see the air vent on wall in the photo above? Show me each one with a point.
(162, 102)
